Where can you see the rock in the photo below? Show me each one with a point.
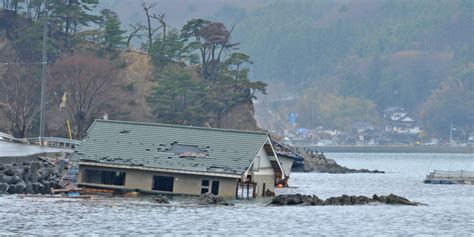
(5, 179)
(45, 173)
(34, 166)
(14, 180)
(29, 189)
(396, 200)
(46, 187)
(26, 177)
(362, 200)
(20, 187)
(161, 199)
(29, 177)
(299, 199)
(35, 187)
(9, 171)
(314, 162)
(296, 199)
(54, 171)
(211, 199)
(11, 189)
(3, 187)
(269, 193)
(40, 188)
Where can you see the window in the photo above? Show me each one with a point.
(215, 187)
(204, 186)
(163, 183)
(104, 177)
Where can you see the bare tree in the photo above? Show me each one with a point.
(136, 31)
(151, 30)
(91, 88)
(211, 39)
(161, 19)
(19, 98)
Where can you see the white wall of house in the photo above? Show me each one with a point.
(286, 164)
(262, 165)
(262, 173)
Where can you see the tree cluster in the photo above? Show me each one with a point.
(395, 54)
(22, 24)
(200, 75)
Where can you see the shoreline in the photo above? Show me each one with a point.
(391, 149)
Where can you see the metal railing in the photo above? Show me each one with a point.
(56, 142)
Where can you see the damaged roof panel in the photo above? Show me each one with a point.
(170, 146)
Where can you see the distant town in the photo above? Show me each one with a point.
(397, 127)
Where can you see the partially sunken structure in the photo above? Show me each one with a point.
(171, 159)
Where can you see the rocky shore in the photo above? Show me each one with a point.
(317, 162)
(37, 177)
(211, 199)
(344, 200)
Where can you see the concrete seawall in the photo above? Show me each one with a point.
(392, 149)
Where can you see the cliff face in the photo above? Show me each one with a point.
(137, 83)
(137, 80)
(240, 117)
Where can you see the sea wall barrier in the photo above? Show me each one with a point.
(391, 149)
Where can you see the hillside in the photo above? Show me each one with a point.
(389, 52)
(91, 75)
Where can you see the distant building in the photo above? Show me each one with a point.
(397, 120)
(470, 139)
(364, 133)
(171, 159)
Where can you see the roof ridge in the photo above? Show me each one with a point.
(179, 126)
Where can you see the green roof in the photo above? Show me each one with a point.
(172, 147)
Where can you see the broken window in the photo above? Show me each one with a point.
(215, 187)
(104, 177)
(204, 186)
(163, 183)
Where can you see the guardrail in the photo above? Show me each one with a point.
(56, 142)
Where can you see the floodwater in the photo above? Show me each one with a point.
(450, 209)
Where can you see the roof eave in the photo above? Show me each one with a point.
(108, 165)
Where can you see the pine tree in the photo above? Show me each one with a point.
(70, 15)
(113, 38)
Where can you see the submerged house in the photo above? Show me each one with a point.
(172, 159)
(288, 158)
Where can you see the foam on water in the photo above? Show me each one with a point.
(450, 210)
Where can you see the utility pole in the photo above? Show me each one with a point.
(43, 73)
